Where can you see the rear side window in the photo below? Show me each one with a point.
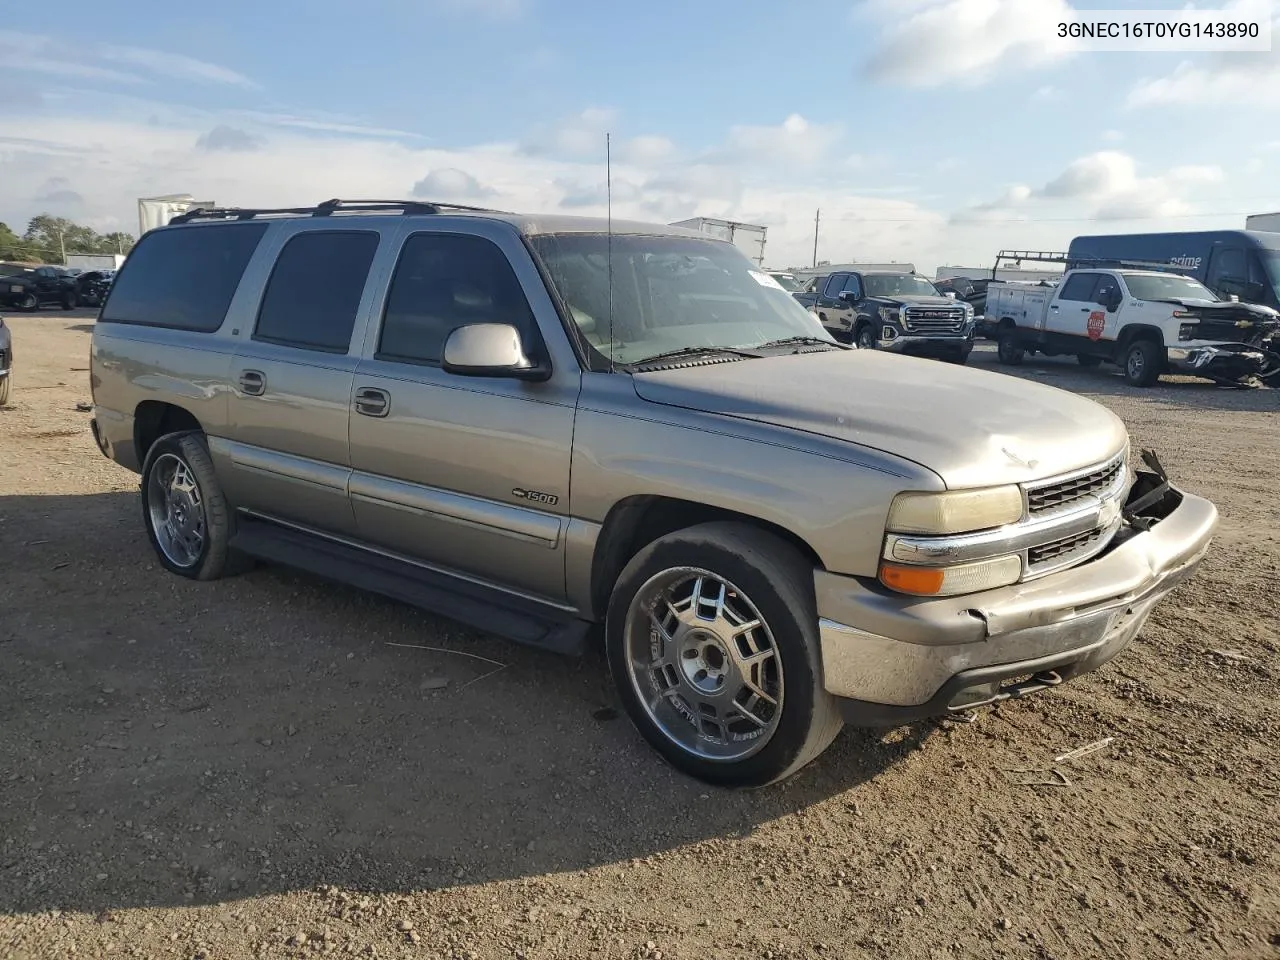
(183, 278)
(444, 281)
(315, 289)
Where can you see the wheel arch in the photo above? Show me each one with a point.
(152, 419)
(1139, 331)
(637, 521)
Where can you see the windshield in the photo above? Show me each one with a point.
(898, 285)
(669, 293)
(1271, 263)
(1167, 288)
(788, 282)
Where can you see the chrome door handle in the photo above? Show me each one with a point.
(252, 382)
(372, 402)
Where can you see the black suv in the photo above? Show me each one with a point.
(900, 312)
(29, 288)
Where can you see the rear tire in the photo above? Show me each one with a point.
(1143, 362)
(1008, 350)
(4, 388)
(727, 705)
(187, 518)
(29, 304)
(1088, 359)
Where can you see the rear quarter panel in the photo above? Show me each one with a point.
(130, 364)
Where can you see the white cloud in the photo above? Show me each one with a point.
(928, 43)
(1105, 185)
(794, 142)
(1221, 78)
(646, 149)
(175, 65)
(450, 184)
(37, 53)
(1047, 94)
(582, 135)
(223, 137)
(1113, 136)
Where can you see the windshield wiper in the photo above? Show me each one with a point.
(789, 341)
(693, 352)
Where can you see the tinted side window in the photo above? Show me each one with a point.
(1079, 287)
(853, 285)
(444, 281)
(315, 289)
(834, 283)
(183, 278)
(1228, 262)
(1106, 287)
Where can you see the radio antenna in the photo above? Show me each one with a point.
(608, 193)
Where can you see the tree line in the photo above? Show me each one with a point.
(49, 239)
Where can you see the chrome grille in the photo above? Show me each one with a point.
(935, 321)
(1057, 550)
(1061, 493)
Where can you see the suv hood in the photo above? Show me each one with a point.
(971, 427)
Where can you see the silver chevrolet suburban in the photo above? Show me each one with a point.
(534, 425)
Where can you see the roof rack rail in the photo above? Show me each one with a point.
(1116, 263)
(325, 209)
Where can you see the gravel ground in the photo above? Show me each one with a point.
(272, 766)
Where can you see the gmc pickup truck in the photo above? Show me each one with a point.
(896, 312)
(569, 431)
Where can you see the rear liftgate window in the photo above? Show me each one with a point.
(183, 278)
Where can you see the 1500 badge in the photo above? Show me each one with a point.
(535, 496)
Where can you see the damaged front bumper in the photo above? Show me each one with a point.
(894, 659)
(1225, 362)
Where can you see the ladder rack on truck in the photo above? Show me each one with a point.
(1107, 263)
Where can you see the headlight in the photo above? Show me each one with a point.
(968, 311)
(889, 314)
(955, 511)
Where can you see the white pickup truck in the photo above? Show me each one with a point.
(1148, 322)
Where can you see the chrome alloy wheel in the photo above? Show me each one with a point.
(704, 664)
(176, 509)
(1136, 363)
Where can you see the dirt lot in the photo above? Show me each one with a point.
(269, 766)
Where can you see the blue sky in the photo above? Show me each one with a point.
(935, 131)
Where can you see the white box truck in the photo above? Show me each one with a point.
(94, 261)
(749, 237)
(1267, 222)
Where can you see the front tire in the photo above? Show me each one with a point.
(186, 516)
(4, 388)
(1142, 363)
(712, 640)
(866, 337)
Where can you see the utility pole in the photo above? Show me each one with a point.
(816, 218)
(62, 245)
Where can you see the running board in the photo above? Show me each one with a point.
(485, 608)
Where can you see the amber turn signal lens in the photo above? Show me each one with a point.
(922, 581)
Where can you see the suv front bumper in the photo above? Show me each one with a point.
(909, 658)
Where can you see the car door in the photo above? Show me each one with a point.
(286, 446)
(468, 473)
(1104, 324)
(46, 282)
(829, 308)
(1069, 311)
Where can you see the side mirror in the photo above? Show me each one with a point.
(950, 294)
(846, 296)
(489, 350)
(1112, 301)
(1234, 298)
